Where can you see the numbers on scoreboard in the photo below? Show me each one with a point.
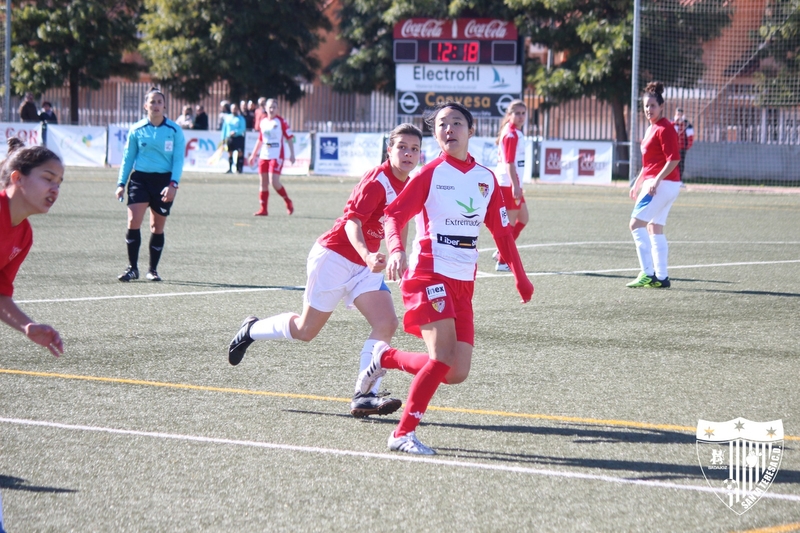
(455, 51)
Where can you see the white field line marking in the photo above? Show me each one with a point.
(589, 243)
(167, 294)
(671, 267)
(384, 456)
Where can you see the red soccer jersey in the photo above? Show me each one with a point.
(15, 242)
(376, 189)
(660, 144)
(451, 199)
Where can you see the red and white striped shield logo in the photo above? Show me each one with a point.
(740, 459)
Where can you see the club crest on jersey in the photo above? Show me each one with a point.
(436, 291)
(739, 459)
(438, 305)
(484, 188)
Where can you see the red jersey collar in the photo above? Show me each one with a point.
(463, 166)
(386, 168)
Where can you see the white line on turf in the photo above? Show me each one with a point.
(161, 295)
(606, 271)
(383, 456)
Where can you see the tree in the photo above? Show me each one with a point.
(79, 42)
(777, 56)
(260, 47)
(597, 37)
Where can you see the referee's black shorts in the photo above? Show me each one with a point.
(236, 143)
(146, 187)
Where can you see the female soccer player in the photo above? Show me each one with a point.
(346, 264)
(154, 151)
(654, 190)
(30, 179)
(272, 130)
(450, 197)
(511, 160)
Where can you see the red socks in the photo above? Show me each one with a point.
(282, 192)
(423, 387)
(263, 198)
(518, 227)
(411, 362)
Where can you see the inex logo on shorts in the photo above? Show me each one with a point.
(740, 459)
(435, 291)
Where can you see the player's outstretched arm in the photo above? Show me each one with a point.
(508, 249)
(41, 334)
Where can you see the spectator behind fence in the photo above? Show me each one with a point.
(224, 111)
(200, 119)
(48, 115)
(685, 132)
(250, 115)
(186, 121)
(27, 110)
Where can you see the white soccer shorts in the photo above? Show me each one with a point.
(654, 209)
(332, 278)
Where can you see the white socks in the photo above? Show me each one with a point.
(366, 360)
(642, 241)
(274, 327)
(660, 251)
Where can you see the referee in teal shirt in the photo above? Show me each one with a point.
(233, 130)
(154, 152)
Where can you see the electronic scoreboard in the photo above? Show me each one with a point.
(477, 62)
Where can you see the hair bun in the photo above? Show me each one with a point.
(14, 143)
(655, 87)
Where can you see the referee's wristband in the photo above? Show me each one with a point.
(173, 184)
(121, 185)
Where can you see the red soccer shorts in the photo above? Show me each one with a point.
(270, 166)
(435, 298)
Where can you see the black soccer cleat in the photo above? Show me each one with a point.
(129, 274)
(241, 341)
(364, 405)
(660, 283)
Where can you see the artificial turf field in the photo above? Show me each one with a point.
(579, 413)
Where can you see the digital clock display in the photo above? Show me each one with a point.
(455, 51)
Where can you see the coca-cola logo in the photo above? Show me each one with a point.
(427, 29)
(493, 29)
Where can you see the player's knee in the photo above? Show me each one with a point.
(456, 375)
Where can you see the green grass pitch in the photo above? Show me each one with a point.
(578, 415)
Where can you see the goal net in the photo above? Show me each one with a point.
(733, 68)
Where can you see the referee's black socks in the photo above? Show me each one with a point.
(133, 239)
(156, 246)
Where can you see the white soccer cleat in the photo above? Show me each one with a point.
(366, 379)
(502, 267)
(409, 443)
